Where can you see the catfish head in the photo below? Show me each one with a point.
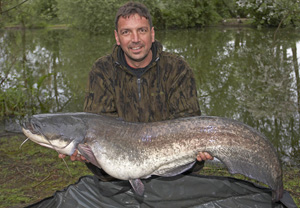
(56, 131)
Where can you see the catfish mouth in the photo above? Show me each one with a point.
(27, 125)
(34, 135)
(64, 146)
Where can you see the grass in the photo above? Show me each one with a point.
(33, 173)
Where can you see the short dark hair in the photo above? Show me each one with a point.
(131, 8)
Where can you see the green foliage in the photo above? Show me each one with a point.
(226, 8)
(16, 102)
(98, 15)
(47, 10)
(29, 78)
(90, 15)
(19, 95)
(32, 14)
(188, 14)
(272, 12)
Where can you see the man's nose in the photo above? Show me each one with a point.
(135, 37)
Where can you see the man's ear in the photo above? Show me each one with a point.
(153, 34)
(117, 38)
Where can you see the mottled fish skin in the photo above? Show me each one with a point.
(129, 151)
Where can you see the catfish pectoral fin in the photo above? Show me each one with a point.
(137, 186)
(86, 151)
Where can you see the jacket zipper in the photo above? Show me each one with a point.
(139, 88)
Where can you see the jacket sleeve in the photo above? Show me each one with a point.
(99, 96)
(183, 100)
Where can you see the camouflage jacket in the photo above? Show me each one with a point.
(164, 90)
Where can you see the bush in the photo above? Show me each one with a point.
(178, 14)
(272, 13)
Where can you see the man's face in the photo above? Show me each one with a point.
(135, 37)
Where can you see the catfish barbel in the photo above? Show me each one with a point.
(133, 151)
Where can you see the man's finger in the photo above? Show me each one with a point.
(73, 157)
(199, 158)
(208, 156)
(203, 156)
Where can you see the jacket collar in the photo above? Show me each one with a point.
(117, 54)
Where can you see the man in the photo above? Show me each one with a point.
(139, 82)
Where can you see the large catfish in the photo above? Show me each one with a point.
(132, 151)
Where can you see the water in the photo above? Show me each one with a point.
(242, 73)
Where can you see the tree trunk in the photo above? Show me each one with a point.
(296, 69)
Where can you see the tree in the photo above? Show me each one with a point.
(28, 13)
(91, 15)
(187, 14)
(272, 12)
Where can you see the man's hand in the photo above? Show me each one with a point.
(204, 156)
(74, 157)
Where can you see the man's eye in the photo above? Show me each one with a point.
(143, 30)
(125, 32)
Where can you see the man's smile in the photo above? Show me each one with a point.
(136, 48)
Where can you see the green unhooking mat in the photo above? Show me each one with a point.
(179, 191)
